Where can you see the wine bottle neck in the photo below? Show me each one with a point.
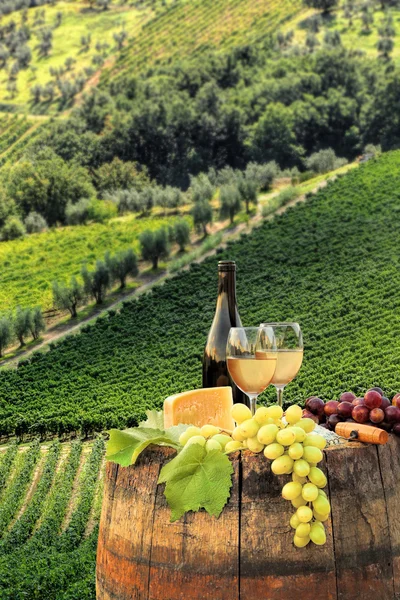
(227, 290)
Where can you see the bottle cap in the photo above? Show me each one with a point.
(226, 265)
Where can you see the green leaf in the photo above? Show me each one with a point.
(155, 419)
(196, 479)
(124, 447)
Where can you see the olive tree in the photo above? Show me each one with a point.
(154, 245)
(68, 297)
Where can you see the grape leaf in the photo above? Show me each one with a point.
(196, 479)
(124, 447)
(155, 419)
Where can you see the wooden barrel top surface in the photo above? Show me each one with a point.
(247, 553)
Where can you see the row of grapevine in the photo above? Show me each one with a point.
(330, 263)
(14, 150)
(49, 550)
(14, 132)
(190, 27)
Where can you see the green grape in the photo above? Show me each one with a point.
(322, 493)
(286, 437)
(300, 434)
(297, 502)
(301, 480)
(303, 530)
(196, 439)
(237, 436)
(301, 467)
(317, 477)
(254, 445)
(291, 490)
(190, 432)
(322, 505)
(213, 445)
(249, 428)
(280, 424)
(232, 446)
(267, 434)
(262, 415)
(209, 430)
(295, 451)
(282, 465)
(294, 521)
(317, 534)
(273, 451)
(300, 542)
(312, 455)
(317, 522)
(222, 439)
(320, 517)
(275, 411)
(309, 492)
(244, 443)
(316, 440)
(307, 424)
(304, 514)
(240, 413)
(293, 414)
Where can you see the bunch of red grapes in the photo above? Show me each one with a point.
(373, 409)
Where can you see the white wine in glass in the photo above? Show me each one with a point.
(251, 359)
(289, 347)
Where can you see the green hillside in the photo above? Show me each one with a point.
(330, 263)
(50, 500)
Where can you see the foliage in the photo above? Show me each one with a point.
(6, 332)
(122, 265)
(324, 5)
(124, 447)
(120, 175)
(96, 283)
(154, 245)
(35, 223)
(12, 229)
(230, 199)
(202, 215)
(22, 322)
(68, 297)
(181, 234)
(324, 161)
(117, 368)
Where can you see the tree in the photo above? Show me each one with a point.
(34, 223)
(323, 5)
(13, 228)
(96, 282)
(122, 265)
(22, 321)
(201, 188)
(202, 215)
(230, 202)
(367, 19)
(37, 323)
(4, 56)
(23, 55)
(121, 175)
(311, 41)
(181, 234)
(68, 297)
(69, 63)
(6, 332)
(154, 245)
(119, 38)
(248, 189)
(86, 41)
(45, 42)
(36, 93)
(332, 39)
(385, 46)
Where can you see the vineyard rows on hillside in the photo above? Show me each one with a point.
(330, 263)
(48, 537)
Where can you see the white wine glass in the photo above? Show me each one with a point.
(251, 359)
(289, 349)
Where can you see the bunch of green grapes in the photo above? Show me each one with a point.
(288, 440)
(209, 436)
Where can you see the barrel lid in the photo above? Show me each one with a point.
(226, 265)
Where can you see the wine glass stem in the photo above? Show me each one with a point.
(279, 394)
(253, 403)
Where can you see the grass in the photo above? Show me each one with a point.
(28, 266)
(353, 37)
(78, 21)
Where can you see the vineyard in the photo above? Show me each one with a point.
(16, 134)
(188, 28)
(330, 263)
(50, 500)
(58, 254)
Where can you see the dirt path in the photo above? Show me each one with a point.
(229, 234)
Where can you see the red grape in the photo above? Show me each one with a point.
(372, 399)
(385, 425)
(392, 414)
(347, 397)
(360, 414)
(358, 402)
(309, 415)
(377, 415)
(345, 409)
(378, 389)
(396, 400)
(333, 420)
(315, 405)
(331, 408)
(396, 429)
(385, 403)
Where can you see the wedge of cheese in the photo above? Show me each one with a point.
(200, 407)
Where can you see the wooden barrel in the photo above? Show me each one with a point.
(248, 553)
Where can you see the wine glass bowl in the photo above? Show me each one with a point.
(251, 359)
(289, 349)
